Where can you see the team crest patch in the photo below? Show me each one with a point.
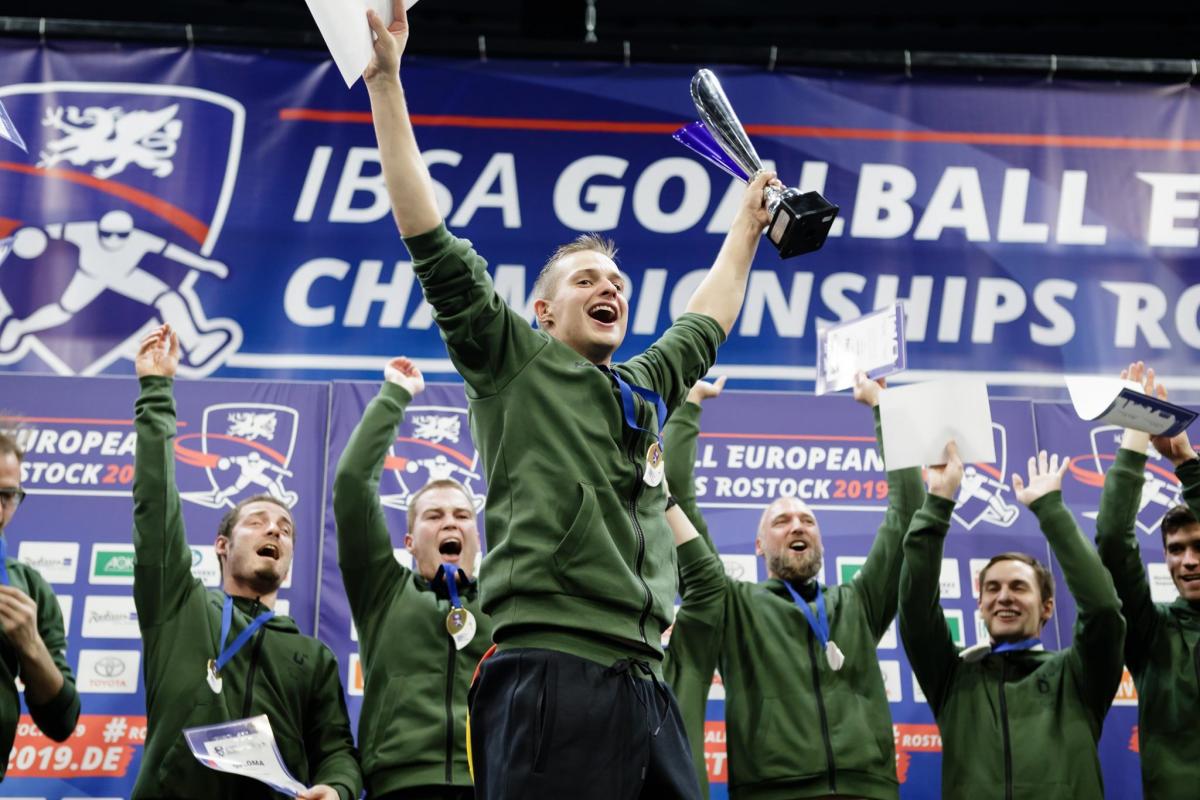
(105, 233)
(434, 443)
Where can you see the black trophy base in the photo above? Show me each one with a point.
(801, 223)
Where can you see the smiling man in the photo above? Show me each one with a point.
(580, 574)
(1162, 646)
(412, 731)
(806, 711)
(1017, 720)
(217, 656)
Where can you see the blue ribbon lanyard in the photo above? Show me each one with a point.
(450, 573)
(226, 623)
(650, 396)
(819, 622)
(3, 560)
(1012, 647)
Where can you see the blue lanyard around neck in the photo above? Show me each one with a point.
(628, 390)
(3, 560)
(819, 622)
(227, 622)
(450, 573)
(1013, 647)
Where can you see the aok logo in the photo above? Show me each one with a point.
(112, 564)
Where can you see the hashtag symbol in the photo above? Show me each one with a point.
(115, 729)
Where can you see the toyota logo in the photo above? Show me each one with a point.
(109, 667)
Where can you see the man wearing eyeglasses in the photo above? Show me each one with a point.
(33, 646)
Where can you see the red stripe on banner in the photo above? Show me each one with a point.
(7, 226)
(450, 451)
(788, 131)
(101, 746)
(195, 458)
(181, 219)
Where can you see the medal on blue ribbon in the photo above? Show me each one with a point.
(819, 623)
(460, 623)
(212, 671)
(655, 464)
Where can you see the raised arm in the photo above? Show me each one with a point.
(923, 629)
(878, 582)
(680, 436)
(162, 573)
(1116, 532)
(1097, 652)
(410, 188)
(364, 543)
(721, 292)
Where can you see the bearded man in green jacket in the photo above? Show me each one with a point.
(213, 657)
(412, 733)
(1017, 721)
(806, 711)
(580, 576)
(1162, 645)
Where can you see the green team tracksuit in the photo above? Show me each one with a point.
(412, 729)
(1161, 644)
(291, 678)
(580, 558)
(1020, 724)
(794, 727)
(57, 717)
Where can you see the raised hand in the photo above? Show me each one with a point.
(158, 354)
(945, 479)
(754, 204)
(390, 41)
(404, 373)
(866, 391)
(1178, 448)
(703, 390)
(1045, 476)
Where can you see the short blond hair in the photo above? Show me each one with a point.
(440, 483)
(545, 284)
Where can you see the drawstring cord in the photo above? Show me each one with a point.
(627, 666)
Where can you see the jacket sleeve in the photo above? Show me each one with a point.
(1097, 654)
(57, 717)
(488, 342)
(1189, 475)
(1116, 541)
(364, 543)
(327, 740)
(679, 438)
(163, 560)
(878, 583)
(691, 657)
(923, 629)
(680, 357)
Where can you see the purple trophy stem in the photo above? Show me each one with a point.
(696, 137)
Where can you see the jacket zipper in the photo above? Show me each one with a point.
(648, 604)
(816, 673)
(1008, 787)
(253, 665)
(452, 663)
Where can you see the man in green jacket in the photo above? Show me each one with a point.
(1017, 721)
(806, 712)
(580, 577)
(1162, 645)
(200, 668)
(32, 644)
(412, 731)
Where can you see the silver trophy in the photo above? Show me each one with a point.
(799, 221)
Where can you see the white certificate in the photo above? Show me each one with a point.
(1122, 403)
(243, 747)
(347, 34)
(872, 343)
(918, 420)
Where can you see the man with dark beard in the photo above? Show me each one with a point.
(805, 707)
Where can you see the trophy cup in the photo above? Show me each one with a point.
(799, 221)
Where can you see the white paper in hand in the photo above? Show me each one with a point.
(872, 343)
(919, 419)
(1122, 403)
(343, 25)
(243, 747)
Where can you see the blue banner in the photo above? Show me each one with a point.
(1034, 228)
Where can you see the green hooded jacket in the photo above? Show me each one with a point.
(57, 717)
(1020, 724)
(1162, 644)
(412, 731)
(794, 727)
(290, 677)
(580, 557)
